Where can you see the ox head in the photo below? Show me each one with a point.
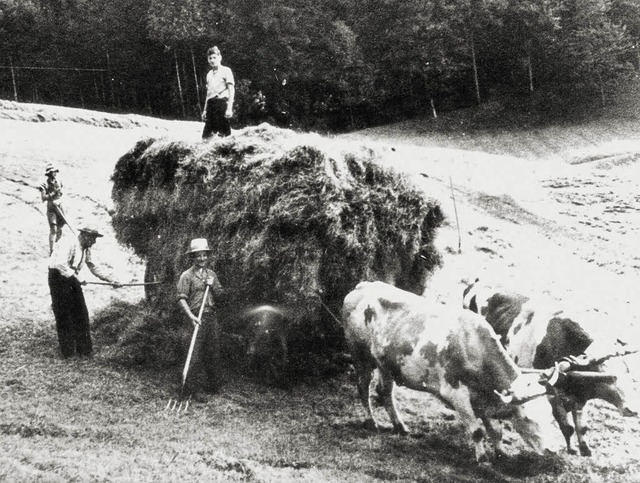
(529, 412)
(524, 388)
(591, 378)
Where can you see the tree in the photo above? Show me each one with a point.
(592, 50)
(528, 28)
(298, 54)
(626, 13)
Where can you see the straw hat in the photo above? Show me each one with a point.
(50, 169)
(199, 245)
(89, 230)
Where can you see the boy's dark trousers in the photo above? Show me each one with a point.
(204, 372)
(216, 122)
(72, 316)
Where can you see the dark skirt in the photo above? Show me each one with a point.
(204, 371)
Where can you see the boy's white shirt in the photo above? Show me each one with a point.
(218, 81)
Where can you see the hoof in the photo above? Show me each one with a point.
(584, 449)
(628, 413)
(571, 451)
(401, 431)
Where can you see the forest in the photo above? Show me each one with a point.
(329, 65)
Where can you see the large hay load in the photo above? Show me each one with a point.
(292, 219)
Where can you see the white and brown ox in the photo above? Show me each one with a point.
(538, 336)
(449, 352)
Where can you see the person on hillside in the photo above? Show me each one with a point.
(51, 192)
(69, 255)
(218, 107)
(192, 285)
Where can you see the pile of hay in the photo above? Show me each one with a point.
(289, 216)
(133, 335)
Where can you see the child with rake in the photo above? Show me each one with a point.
(51, 192)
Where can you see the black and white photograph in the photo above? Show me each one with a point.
(320, 241)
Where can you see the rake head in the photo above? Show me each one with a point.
(179, 405)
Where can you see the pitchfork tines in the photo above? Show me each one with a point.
(179, 405)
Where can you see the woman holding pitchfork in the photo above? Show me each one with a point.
(198, 288)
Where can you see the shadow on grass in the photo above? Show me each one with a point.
(522, 464)
(444, 446)
(357, 429)
(529, 464)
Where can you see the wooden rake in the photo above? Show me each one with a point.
(181, 404)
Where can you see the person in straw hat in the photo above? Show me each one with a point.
(192, 286)
(69, 255)
(51, 192)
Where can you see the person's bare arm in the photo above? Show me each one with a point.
(232, 95)
(185, 308)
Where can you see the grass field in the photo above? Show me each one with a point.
(92, 420)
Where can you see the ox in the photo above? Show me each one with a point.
(448, 352)
(537, 337)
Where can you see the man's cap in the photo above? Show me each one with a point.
(89, 230)
(50, 169)
(199, 245)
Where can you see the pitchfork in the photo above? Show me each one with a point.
(180, 404)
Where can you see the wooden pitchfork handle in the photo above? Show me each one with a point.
(132, 284)
(185, 371)
(64, 218)
(55, 206)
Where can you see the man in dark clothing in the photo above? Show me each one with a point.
(191, 296)
(69, 255)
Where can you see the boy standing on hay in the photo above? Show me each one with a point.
(69, 255)
(192, 287)
(51, 192)
(218, 108)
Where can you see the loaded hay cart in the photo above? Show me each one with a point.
(294, 220)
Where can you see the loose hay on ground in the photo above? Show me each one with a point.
(137, 335)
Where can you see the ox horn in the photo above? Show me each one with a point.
(602, 359)
(550, 376)
(589, 376)
(505, 396)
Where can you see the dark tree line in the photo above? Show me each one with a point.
(332, 64)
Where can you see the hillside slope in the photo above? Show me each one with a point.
(568, 230)
(581, 192)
